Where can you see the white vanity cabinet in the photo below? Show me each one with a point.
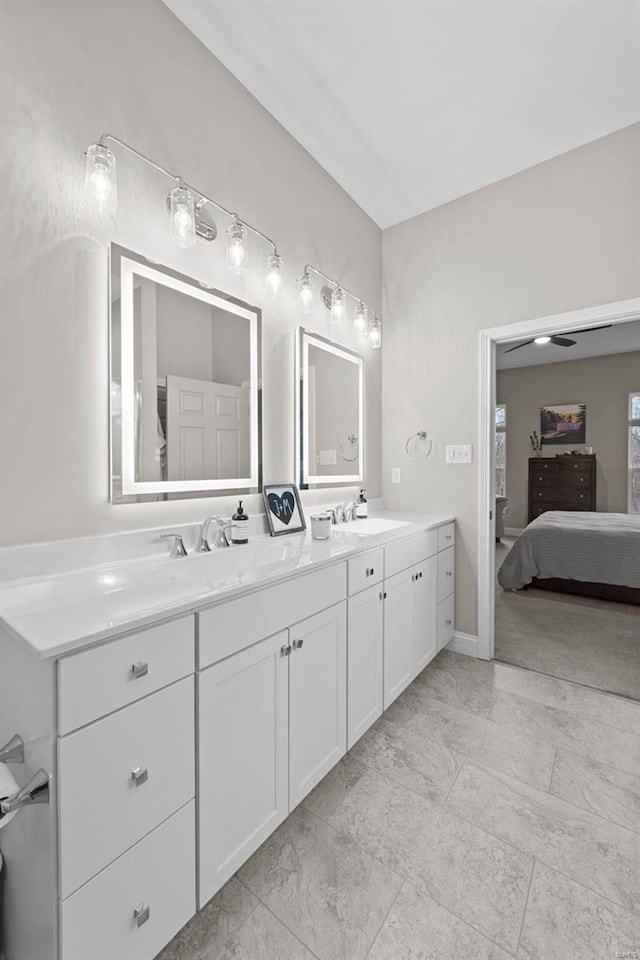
(410, 626)
(446, 584)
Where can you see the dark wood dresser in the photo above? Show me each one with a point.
(561, 483)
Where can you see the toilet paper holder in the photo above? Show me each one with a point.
(13, 750)
(36, 790)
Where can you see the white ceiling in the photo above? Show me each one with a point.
(411, 103)
(619, 338)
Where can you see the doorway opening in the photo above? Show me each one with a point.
(491, 340)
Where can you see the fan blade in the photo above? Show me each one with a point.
(562, 341)
(518, 345)
(605, 326)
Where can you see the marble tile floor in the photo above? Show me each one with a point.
(491, 813)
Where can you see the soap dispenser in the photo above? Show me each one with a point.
(240, 527)
(362, 507)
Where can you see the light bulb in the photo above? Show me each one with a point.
(360, 323)
(274, 277)
(375, 334)
(183, 217)
(338, 312)
(305, 294)
(237, 253)
(542, 340)
(100, 177)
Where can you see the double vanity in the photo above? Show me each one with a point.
(184, 707)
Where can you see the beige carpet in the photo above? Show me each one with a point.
(593, 642)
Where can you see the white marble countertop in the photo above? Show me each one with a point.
(61, 612)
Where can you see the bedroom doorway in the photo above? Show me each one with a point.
(491, 340)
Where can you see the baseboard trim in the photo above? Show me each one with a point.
(512, 531)
(464, 643)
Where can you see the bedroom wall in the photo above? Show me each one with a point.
(556, 237)
(71, 71)
(604, 384)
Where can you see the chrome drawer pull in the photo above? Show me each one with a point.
(448, 536)
(297, 644)
(285, 650)
(369, 572)
(141, 914)
(447, 573)
(448, 622)
(139, 776)
(139, 669)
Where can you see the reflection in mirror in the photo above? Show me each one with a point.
(330, 414)
(184, 386)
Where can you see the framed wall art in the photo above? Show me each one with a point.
(282, 505)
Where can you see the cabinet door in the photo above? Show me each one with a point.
(398, 635)
(425, 613)
(317, 699)
(364, 662)
(243, 748)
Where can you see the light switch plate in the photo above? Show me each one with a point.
(395, 475)
(461, 453)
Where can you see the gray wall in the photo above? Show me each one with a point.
(559, 236)
(604, 384)
(70, 72)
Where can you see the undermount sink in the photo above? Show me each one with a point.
(233, 562)
(369, 526)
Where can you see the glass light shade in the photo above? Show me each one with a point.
(305, 294)
(100, 177)
(542, 340)
(237, 253)
(360, 321)
(274, 277)
(375, 334)
(183, 216)
(338, 310)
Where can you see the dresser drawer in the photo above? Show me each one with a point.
(120, 777)
(544, 465)
(99, 922)
(564, 495)
(446, 536)
(576, 465)
(98, 681)
(232, 626)
(446, 573)
(365, 570)
(406, 553)
(445, 621)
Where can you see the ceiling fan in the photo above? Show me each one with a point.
(558, 341)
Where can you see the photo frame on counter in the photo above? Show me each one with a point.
(283, 509)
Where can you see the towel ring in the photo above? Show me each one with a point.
(353, 440)
(420, 436)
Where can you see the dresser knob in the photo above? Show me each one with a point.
(540, 494)
(141, 914)
(582, 496)
(139, 776)
(581, 479)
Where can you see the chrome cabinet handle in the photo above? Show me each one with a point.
(139, 776)
(448, 536)
(141, 914)
(369, 572)
(139, 669)
(297, 644)
(448, 622)
(448, 573)
(285, 649)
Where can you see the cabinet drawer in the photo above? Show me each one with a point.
(576, 465)
(98, 922)
(445, 621)
(231, 626)
(365, 570)
(406, 553)
(446, 573)
(564, 495)
(446, 536)
(98, 681)
(544, 465)
(104, 809)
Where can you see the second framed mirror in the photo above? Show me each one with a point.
(329, 413)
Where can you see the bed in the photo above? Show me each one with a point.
(591, 554)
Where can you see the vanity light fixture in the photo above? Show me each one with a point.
(237, 252)
(542, 340)
(100, 176)
(185, 205)
(360, 321)
(375, 334)
(183, 216)
(333, 296)
(274, 276)
(305, 293)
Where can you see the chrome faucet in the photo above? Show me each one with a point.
(178, 548)
(223, 538)
(348, 509)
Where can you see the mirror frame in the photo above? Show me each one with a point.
(136, 491)
(304, 340)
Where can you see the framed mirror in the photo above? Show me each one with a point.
(185, 386)
(330, 412)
